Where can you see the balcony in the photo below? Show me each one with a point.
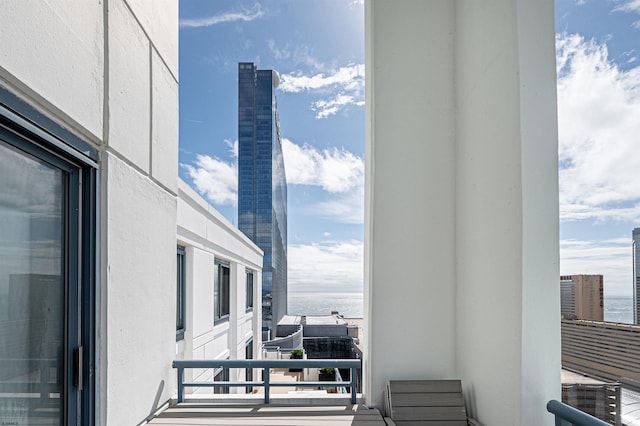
(263, 409)
(267, 366)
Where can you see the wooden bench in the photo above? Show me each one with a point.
(426, 403)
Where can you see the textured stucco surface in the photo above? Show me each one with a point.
(140, 285)
(208, 237)
(54, 54)
(461, 230)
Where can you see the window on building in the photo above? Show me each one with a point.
(47, 270)
(249, 292)
(221, 375)
(181, 292)
(248, 354)
(221, 301)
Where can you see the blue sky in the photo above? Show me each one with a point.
(598, 51)
(317, 46)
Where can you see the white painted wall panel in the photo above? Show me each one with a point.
(507, 197)
(209, 236)
(140, 244)
(540, 252)
(159, 18)
(203, 339)
(489, 210)
(462, 167)
(195, 220)
(410, 154)
(220, 346)
(205, 227)
(129, 87)
(164, 134)
(53, 52)
(202, 273)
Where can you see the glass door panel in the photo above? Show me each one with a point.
(33, 255)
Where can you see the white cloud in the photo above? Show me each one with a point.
(244, 15)
(214, 178)
(325, 108)
(277, 52)
(348, 77)
(339, 88)
(233, 147)
(335, 170)
(346, 208)
(598, 128)
(610, 258)
(295, 54)
(329, 265)
(628, 6)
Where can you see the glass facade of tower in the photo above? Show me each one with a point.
(262, 184)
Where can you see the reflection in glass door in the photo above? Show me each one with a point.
(34, 205)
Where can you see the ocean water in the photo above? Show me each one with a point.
(616, 308)
(349, 305)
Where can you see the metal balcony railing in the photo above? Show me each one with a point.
(266, 365)
(286, 343)
(566, 415)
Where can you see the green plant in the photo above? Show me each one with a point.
(296, 354)
(327, 371)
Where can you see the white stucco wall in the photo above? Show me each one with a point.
(107, 71)
(409, 229)
(140, 216)
(140, 293)
(461, 164)
(53, 55)
(540, 222)
(506, 187)
(461, 214)
(207, 237)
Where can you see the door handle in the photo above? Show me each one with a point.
(77, 368)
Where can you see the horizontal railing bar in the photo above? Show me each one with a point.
(223, 384)
(267, 363)
(572, 415)
(307, 384)
(242, 384)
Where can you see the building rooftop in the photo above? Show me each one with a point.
(333, 319)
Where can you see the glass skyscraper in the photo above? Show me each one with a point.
(262, 184)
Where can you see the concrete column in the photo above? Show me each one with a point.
(410, 204)
(461, 227)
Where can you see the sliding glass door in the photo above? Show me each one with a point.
(40, 285)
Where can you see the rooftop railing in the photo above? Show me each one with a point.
(266, 365)
(566, 415)
(286, 343)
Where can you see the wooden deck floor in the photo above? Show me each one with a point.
(253, 415)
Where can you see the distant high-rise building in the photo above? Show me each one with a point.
(582, 296)
(262, 184)
(636, 275)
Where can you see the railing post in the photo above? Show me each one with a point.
(180, 384)
(354, 382)
(266, 384)
(565, 415)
